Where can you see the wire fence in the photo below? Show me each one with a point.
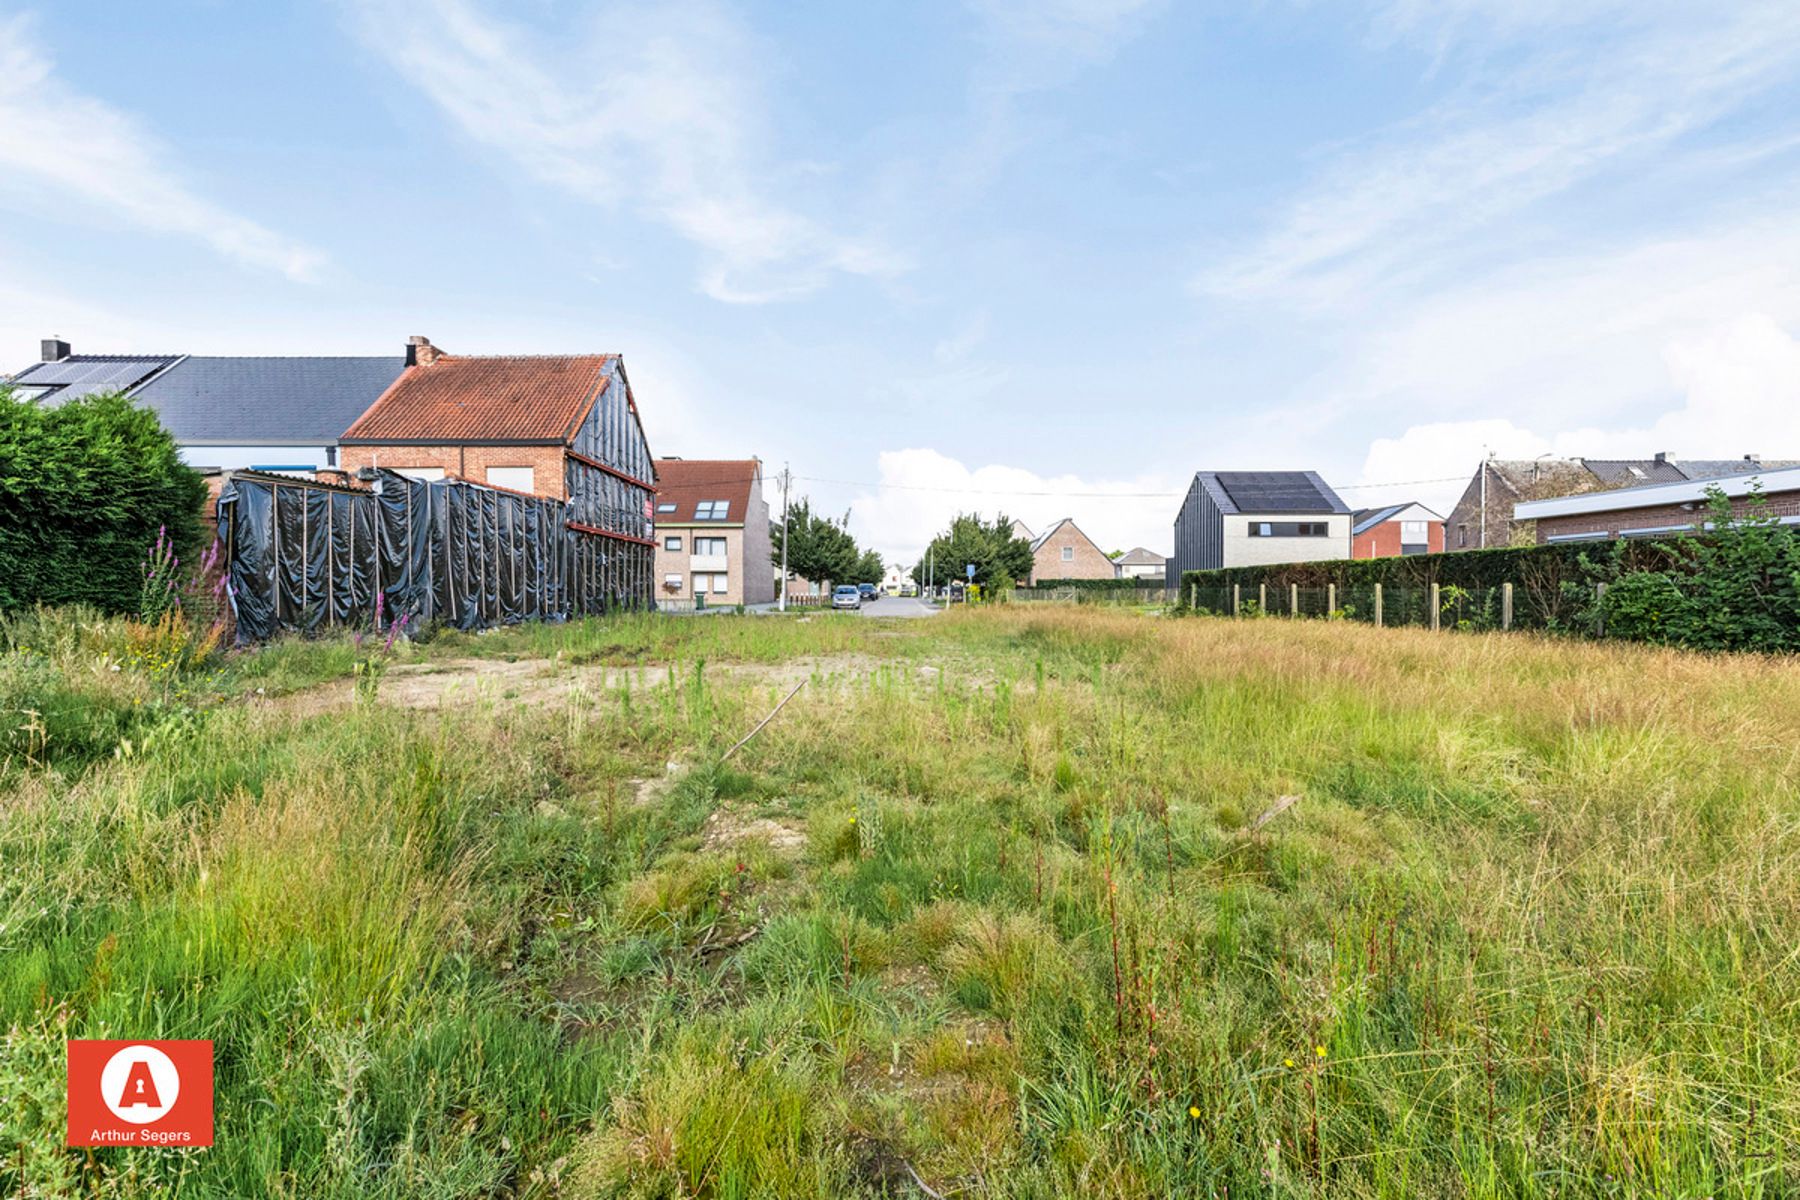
(1080, 595)
(1375, 604)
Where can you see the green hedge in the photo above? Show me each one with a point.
(1098, 585)
(84, 486)
(1737, 588)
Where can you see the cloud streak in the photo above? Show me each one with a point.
(656, 109)
(62, 146)
(1417, 201)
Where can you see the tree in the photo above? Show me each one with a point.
(84, 488)
(818, 548)
(869, 569)
(998, 556)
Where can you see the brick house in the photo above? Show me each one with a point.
(1394, 530)
(1483, 515)
(559, 425)
(1064, 552)
(1658, 509)
(712, 531)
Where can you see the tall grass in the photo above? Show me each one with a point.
(1528, 929)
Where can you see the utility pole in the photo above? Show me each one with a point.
(781, 600)
(931, 572)
(1484, 475)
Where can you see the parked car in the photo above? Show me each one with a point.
(847, 596)
(909, 589)
(869, 591)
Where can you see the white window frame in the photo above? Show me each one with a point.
(704, 546)
(672, 544)
(1068, 554)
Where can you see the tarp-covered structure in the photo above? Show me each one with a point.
(303, 555)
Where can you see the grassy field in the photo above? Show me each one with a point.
(1007, 903)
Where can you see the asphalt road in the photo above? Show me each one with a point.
(897, 606)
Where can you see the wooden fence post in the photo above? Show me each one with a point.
(1237, 604)
(1193, 595)
(1434, 607)
(1599, 610)
(1378, 606)
(1330, 598)
(1506, 606)
(1262, 599)
(1293, 599)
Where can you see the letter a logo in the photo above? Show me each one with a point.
(140, 1087)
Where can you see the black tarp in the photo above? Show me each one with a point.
(304, 555)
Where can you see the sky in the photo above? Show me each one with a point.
(1046, 257)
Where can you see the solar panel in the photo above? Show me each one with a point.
(75, 377)
(1273, 491)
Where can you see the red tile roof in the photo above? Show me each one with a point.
(480, 398)
(685, 482)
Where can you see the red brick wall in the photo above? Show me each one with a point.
(1089, 561)
(1781, 504)
(1383, 541)
(467, 462)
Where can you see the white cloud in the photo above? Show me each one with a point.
(922, 489)
(1426, 198)
(1739, 385)
(655, 107)
(59, 147)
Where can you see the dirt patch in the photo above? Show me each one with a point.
(726, 829)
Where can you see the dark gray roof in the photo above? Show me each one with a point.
(1271, 492)
(1633, 472)
(1137, 556)
(1724, 468)
(86, 374)
(267, 400)
(1365, 519)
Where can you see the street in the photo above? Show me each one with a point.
(897, 606)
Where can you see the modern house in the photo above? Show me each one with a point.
(1064, 552)
(1139, 563)
(1659, 509)
(1483, 516)
(712, 531)
(1257, 518)
(235, 412)
(1395, 529)
(559, 425)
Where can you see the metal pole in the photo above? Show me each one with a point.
(1330, 598)
(781, 601)
(1434, 607)
(1237, 604)
(1293, 599)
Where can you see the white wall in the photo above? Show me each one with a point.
(237, 458)
(1242, 550)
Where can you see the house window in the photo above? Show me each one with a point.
(672, 581)
(1289, 529)
(1068, 553)
(519, 479)
(672, 544)
(1412, 531)
(710, 546)
(712, 510)
(665, 508)
(428, 474)
(1462, 535)
(715, 582)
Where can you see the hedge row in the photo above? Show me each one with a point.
(1099, 585)
(1738, 588)
(84, 487)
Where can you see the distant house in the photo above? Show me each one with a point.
(560, 425)
(1139, 563)
(272, 413)
(1064, 552)
(1023, 531)
(1658, 509)
(712, 531)
(1256, 518)
(1483, 516)
(1395, 529)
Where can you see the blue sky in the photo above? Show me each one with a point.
(1048, 257)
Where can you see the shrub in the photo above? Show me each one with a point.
(87, 485)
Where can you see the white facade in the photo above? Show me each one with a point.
(242, 458)
(1245, 549)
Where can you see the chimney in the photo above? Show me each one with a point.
(1751, 458)
(1662, 456)
(420, 352)
(54, 349)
